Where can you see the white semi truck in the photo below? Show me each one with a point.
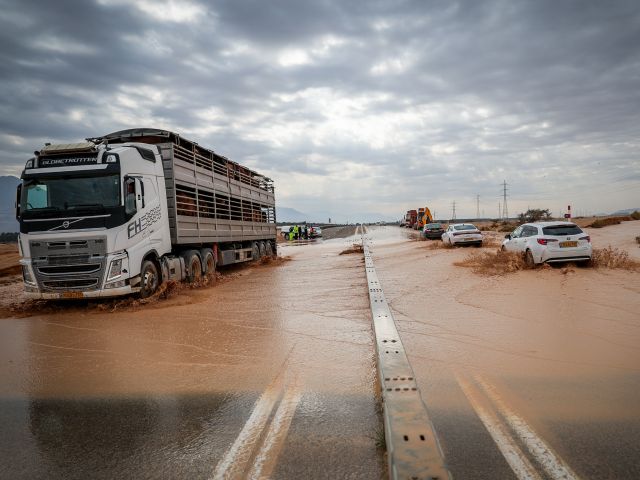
(122, 213)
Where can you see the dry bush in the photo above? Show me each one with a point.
(604, 222)
(635, 215)
(493, 263)
(610, 257)
(502, 226)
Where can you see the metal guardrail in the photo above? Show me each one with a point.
(413, 449)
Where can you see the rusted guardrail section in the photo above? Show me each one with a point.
(412, 446)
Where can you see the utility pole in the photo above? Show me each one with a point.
(478, 207)
(505, 210)
(453, 205)
(499, 212)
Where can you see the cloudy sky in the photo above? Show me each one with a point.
(350, 106)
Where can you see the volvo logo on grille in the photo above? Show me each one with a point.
(65, 224)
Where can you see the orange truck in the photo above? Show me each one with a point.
(424, 217)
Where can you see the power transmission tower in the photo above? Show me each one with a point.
(478, 206)
(499, 211)
(453, 206)
(505, 209)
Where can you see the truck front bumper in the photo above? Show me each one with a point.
(70, 295)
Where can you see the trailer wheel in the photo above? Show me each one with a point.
(194, 269)
(210, 264)
(263, 249)
(149, 279)
(255, 251)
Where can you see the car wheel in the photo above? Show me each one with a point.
(528, 259)
(502, 249)
(149, 279)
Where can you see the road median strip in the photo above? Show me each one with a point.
(412, 445)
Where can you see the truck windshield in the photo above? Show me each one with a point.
(52, 194)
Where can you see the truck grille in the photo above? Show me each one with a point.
(64, 265)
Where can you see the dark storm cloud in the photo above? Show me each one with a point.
(351, 96)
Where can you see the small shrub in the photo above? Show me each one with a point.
(635, 215)
(610, 257)
(493, 263)
(606, 221)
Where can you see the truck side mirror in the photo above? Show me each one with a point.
(18, 198)
(130, 197)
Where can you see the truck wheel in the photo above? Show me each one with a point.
(194, 268)
(149, 279)
(210, 264)
(255, 251)
(263, 249)
(268, 249)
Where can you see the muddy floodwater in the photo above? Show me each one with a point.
(271, 373)
(554, 350)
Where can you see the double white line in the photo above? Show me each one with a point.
(491, 409)
(255, 451)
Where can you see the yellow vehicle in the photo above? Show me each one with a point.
(424, 217)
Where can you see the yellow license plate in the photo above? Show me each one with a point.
(568, 244)
(71, 295)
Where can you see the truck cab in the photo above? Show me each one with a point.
(89, 215)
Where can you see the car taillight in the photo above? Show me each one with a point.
(544, 241)
(587, 238)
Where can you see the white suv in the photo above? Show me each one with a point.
(549, 242)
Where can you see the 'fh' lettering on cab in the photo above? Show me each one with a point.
(140, 225)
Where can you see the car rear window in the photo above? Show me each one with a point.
(464, 227)
(434, 225)
(559, 230)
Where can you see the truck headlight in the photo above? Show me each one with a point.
(26, 276)
(115, 270)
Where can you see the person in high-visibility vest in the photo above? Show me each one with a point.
(290, 233)
(296, 232)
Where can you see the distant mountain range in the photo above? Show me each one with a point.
(627, 211)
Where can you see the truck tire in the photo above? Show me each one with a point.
(149, 279)
(209, 264)
(255, 251)
(194, 267)
(268, 249)
(263, 249)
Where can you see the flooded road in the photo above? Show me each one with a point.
(272, 372)
(269, 375)
(534, 374)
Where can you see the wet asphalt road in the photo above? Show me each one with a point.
(268, 375)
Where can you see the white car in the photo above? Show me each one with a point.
(462, 234)
(542, 242)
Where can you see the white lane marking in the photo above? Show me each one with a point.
(266, 458)
(555, 467)
(234, 461)
(506, 444)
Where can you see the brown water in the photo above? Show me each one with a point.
(561, 346)
(269, 373)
